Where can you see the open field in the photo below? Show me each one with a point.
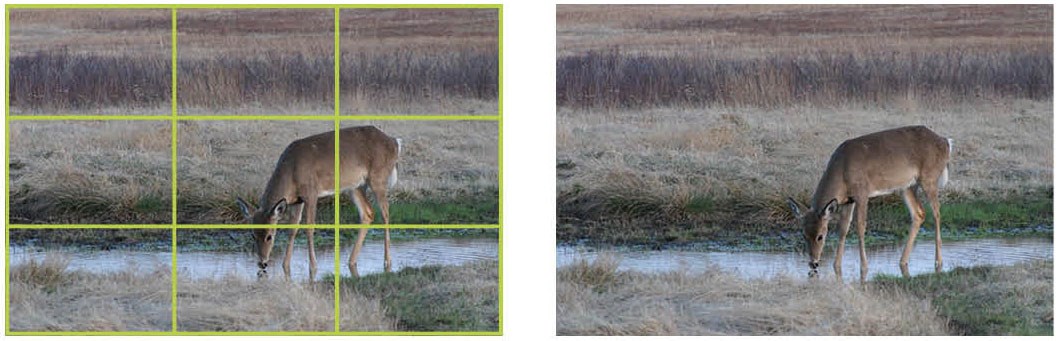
(595, 299)
(118, 172)
(254, 61)
(683, 123)
(45, 296)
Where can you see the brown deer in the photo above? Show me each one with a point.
(896, 160)
(305, 172)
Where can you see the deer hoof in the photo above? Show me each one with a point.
(262, 273)
(813, 273)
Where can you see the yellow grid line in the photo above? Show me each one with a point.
(174, 117)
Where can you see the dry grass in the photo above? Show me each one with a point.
(234, 304)
(45, 296)
(220, 160)
(594, 299)
(682, 162)
(775, 56)
(90, 172)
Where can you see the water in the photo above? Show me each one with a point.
(200, 264)
(882, 260)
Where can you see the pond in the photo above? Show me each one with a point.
(882, 260)
(202, 264)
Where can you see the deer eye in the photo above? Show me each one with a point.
(268, 238)
(820, 237)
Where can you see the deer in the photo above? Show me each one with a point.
(896, 160)
(305, 172)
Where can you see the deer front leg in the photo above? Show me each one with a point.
(844, 227)
(287, 255)
(861, 212)
(361, 233)
(310, 217)
(916, 215)
(380, 189)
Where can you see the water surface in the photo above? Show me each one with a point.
(882, 260)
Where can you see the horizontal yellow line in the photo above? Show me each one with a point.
(252, 118)
(246, 226)
(163, 6)
(278, 333)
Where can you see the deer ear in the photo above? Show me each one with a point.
(795, 207)
(829, 208)
(279, 208)
(245, 208)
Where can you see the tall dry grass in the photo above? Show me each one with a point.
(46, 296)
(776, 56)
(420, 61)
(89, 172)
(595, 299)
(236, 304)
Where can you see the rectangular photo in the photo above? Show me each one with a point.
(89, 280)
(725, 156)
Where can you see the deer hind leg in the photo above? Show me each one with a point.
(844, 227)
(310, 217)
(380, 188)
(364, 209)
(862, 214)
(931, 190)
(916, 214)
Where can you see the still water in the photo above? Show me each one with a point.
(882, 260)
(199, 264)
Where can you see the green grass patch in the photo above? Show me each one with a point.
(984, 300)
(436, 298)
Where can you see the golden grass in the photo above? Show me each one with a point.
(45, 296)
(102, 32)
(235, 304)
(595, 299)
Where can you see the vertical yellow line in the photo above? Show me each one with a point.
(173, 171)
(7, 168)
(500, 173)
(338, 215)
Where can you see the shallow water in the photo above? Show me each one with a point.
(199, 264)
(882, 260)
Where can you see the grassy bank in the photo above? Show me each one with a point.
(238, 240)
(1013, 300)
(46, 296)
(433, 298)
(596, 299)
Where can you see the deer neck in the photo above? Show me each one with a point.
(831, 186)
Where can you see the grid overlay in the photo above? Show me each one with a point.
(174, 118)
